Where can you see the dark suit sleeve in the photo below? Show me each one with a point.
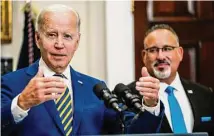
(144, 122)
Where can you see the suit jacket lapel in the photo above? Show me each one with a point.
(33, 69)
(192, 98)
(78, 99)
(165, 127)
(49, 105)
(51, 108)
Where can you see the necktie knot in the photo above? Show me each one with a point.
(169, 90)
(59, 75)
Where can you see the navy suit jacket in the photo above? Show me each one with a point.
(90, 114)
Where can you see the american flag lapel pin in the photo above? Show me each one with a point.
(80, 82)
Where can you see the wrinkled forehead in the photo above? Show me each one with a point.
(60, 19)
(66, 15)
(160, 38)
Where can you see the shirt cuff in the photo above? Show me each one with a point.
(18, 113)
(153, 110)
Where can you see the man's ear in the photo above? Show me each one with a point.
(37, 39)
(78, 40)
(143, 53)
(79, 35)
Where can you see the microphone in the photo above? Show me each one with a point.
(131, 100)
(103, 93)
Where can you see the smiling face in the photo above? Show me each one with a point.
(162, 63)
(58, 39)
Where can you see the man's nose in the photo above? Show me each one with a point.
(59, 42)
(160, 54)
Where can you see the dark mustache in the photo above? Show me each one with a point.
(161, 62)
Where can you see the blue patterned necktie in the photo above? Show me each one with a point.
(176, 113)
(64, 107)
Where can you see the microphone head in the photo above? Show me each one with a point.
(103, 93)
(120, 89)
(125, 94)
(98, 89)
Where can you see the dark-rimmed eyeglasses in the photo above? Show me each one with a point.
(154, 50)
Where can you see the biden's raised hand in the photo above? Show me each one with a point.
(41, 89)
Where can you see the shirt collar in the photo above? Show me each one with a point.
(48, 72)
(175, 83)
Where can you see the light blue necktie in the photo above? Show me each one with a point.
(176, 113)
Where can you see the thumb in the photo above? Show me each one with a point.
(144, 72)
(39, 73)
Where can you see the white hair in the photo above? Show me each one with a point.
(55, 8)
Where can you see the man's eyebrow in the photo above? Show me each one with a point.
(153, 46)
(166, 45)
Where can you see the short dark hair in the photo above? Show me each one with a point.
(161, 26)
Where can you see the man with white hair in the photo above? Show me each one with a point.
(188, 105)
(50, 98)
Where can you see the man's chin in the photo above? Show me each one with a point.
(161, 74)
(58, 67)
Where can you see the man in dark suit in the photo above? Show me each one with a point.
(162, 55)
(193, 111)
(50, 98)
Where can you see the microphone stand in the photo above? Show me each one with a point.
(142, 109)
(137, 112)
(123, 125)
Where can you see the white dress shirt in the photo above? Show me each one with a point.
(182, 100)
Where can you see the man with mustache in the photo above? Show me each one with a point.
(188, 105)
(50, 98)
